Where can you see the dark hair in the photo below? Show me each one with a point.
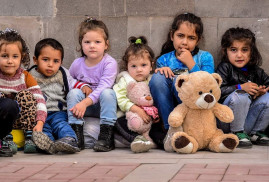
(241, 34)
(9, 36)
(138, 47)
(178, 20)
(91, 24)
(48, 42)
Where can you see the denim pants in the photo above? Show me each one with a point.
(9, 112)
(249, 115)
(105, 109)
(164, 95)
(57, 127)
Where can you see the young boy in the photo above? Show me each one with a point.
(55, 82)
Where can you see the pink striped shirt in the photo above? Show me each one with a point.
(23, 80)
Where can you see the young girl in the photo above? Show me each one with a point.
(137, 61)
(179, 55)
(99, 70)
(19, 85)
(244, 88)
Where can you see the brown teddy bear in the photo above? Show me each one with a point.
(199, 93)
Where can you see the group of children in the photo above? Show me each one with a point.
(49, 102)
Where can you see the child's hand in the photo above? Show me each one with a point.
(250, 87)
(186, 58)
(262, 90)
(86, 90)
(166, 71)
(146, 118)
(39, 126)
(156, 120)
(79, 109)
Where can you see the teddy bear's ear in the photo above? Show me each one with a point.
(181, 79)
(131, 85)
(217, 78)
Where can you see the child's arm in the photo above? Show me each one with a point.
(74, 83)
(262, 90)
(33, 87)
(227, 87)
(206, 63)
(250, 87)
(186, 58)
(39, 126)
(146, 118)
(163, 68)
(107, 80)
(123, 101)
(79, 109)
(166, 71)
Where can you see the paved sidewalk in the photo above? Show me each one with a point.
(122, 165)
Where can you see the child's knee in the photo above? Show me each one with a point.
(241, 98)
(75, 93)
(108, 94)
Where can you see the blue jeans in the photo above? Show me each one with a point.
(249, 115)
(164, 95)
(105, 109)
(57, 127)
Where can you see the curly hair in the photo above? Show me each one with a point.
(241, 34)
(10, 36)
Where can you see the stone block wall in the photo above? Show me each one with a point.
(59, 19)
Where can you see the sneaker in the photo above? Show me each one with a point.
(167, 140)
(141, 144)
(260, 138)
(11, 144)
(67, 145)
(5, 151)
(43, 142)
(244, 140)
(29, 146)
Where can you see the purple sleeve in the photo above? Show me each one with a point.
(107, 79)
(72, 69)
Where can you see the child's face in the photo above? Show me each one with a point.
(49, 61)
(184, 37)
(139, 67)
(239, 53)
(94, 45)
(10, 59)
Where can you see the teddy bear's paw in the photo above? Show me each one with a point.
(228, 145)
(183, 145)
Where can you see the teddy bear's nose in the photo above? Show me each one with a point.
(209, 98)
(148, 97)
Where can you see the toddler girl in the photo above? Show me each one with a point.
(179, 55)
(137, 60)
(99, 70)
(244, 88)
(19, 85)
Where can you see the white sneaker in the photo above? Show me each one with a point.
(141, 144)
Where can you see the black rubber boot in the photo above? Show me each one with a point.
(105, 141)
(78, 129)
